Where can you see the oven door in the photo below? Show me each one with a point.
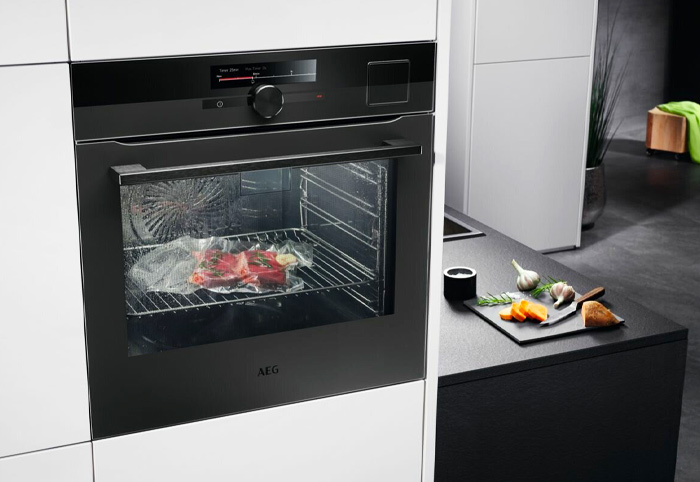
(227, 274)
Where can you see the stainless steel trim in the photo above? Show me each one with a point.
(137, 174)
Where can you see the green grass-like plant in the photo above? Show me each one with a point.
(608, 79)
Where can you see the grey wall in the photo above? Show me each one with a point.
(643, 30)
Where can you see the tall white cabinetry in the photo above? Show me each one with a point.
(33, 31)
(134, 28)
(520, 89)
(369, 436)
(64, 464)
(44, 401)
(43, 377)
(382, 434)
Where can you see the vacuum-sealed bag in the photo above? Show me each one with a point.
(222, 265)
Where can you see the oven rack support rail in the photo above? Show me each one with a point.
(331, 269)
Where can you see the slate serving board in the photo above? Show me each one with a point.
(531, 331)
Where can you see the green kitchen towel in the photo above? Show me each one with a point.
(691, 111)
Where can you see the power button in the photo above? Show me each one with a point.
(225, 102)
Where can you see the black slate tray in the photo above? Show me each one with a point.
(531, 331)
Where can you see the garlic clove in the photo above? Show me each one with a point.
(527, 279)
(562, 293)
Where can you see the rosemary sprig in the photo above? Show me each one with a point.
(260, 260)
(545, 287)
(491, 300)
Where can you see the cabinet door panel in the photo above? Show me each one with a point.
(509, 30)
(112, 29)
(528, 149)
(607, 418)
(372, 436)
(33, 31)
(65, 464)
(43, 400)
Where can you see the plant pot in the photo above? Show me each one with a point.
(594, 196)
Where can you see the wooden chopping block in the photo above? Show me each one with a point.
(666, 132)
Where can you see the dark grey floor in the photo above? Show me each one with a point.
(647, 245)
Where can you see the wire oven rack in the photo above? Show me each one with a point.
(331, 269)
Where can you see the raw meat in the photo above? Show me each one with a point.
(217, 268)
(264, 268)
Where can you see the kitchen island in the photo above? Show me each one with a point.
(599, 405)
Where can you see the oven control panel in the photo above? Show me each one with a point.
(189, 94)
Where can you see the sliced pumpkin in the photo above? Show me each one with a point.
(506, 314)
(517, 312)
(537, 312)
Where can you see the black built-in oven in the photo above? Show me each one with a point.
(254, 228)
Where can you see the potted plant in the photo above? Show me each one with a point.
(608, 79)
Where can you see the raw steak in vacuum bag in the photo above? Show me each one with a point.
(222, 265)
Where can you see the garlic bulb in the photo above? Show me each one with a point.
(562, 293)
(527, 280)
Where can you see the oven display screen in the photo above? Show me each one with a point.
(241, 75)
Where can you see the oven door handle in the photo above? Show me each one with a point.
(137, 174)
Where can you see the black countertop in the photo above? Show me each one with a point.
(472, 349)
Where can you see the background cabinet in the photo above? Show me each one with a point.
(43, 378)
(527, 149)
(33, 31)
(517, 138)
(112, 29)
(512, 30)
(65, 464)
(372, 436)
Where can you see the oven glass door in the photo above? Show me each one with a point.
(220, 258)
(233, 273)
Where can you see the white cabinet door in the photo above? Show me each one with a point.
(65, 464)
(460, 101)
(528, 148)
(509, 30)
(33, 31)
(111, 29)
(43, 378)
(370, 436)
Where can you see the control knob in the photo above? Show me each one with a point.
(267, 100)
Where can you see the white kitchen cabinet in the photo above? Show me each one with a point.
(528, 147)
(520, 85)
(460, 102)
(43, 378)
(512, 30)
(112, 29)
(369, 436)
(65, 464)
(33, 31)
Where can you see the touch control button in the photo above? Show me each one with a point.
(388, 82)
(225, 102)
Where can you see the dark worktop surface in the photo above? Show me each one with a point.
(471, 349)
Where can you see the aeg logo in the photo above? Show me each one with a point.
(269, 370)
